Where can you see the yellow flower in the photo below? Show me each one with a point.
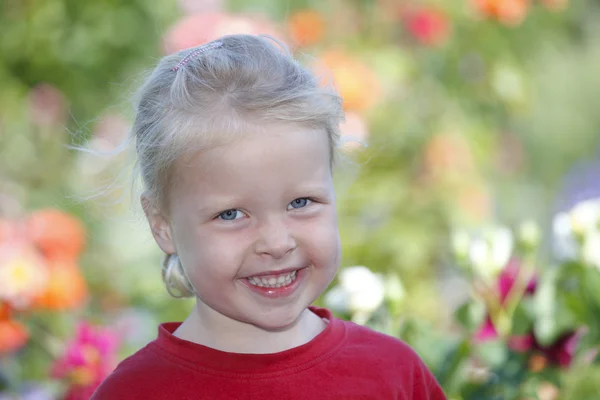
(23, 274)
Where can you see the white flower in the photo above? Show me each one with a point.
(360, 291)
(23, 274)
(490, 253)
(591, 249)
(461, 242)
(585, 216)
(529, 234)
(565, 245)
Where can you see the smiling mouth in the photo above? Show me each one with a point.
(273, 281)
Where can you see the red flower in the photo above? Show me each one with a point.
(428, 26)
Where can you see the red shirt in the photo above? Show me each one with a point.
(345, 361)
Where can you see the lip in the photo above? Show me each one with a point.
(280, 292)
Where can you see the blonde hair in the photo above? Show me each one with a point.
(199, 97)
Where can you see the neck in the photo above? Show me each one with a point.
(208, 327)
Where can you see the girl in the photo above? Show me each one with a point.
(236, 142)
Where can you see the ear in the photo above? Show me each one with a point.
(159, 225)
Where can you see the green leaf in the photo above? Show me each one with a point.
(470, 315)
(521, 320)
(494, 353)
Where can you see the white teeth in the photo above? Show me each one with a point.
(280, 281)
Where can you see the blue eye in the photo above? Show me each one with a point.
(300, 203)
(231, 215)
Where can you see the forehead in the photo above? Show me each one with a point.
(273, 153)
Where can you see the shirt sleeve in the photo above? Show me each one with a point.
(425, 386)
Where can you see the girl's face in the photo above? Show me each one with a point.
(255, 226)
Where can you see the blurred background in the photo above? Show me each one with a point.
(467, 183)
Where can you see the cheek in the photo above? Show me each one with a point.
(213, 255)
(322, 240)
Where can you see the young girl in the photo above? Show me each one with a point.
(236, 143)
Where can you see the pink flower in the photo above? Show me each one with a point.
(88, 359)
(428, 26)
(486, 331)
(508, 277)
(559, 353)
(195, 30)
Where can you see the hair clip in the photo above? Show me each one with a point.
(196, 52)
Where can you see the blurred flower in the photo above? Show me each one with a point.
(508, 278)
(590, 252)
(200, 6)
(508, 12)
(548, 391)
(306, 27)
(509, 84)
(13, 336)
(112, 129)
(562, 351)
(88, 359)
(474, 201)
(394, 289)
(356, 82)
(559, 353)
(47, 106)
(448, 158)
(555, 5)
(565, 244)
(576, 233)
(428, 26)
(530, 235)
(353, 131)
(56, 233)
(66, 287)
(490, 253)
(504, 284)
(23, 273)
(585, 217)
(461, 242)
(360, 292)
(195, 30)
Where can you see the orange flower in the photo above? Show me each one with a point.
(355, 82)
(13, 336)
(23, 273)
(448, 157)
(56, 233)
(306, 27)
(508, 12)
(66, 288)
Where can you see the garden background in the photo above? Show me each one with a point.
(467, 186)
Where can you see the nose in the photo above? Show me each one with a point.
(275, 239)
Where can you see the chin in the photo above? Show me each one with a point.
(278, 321)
